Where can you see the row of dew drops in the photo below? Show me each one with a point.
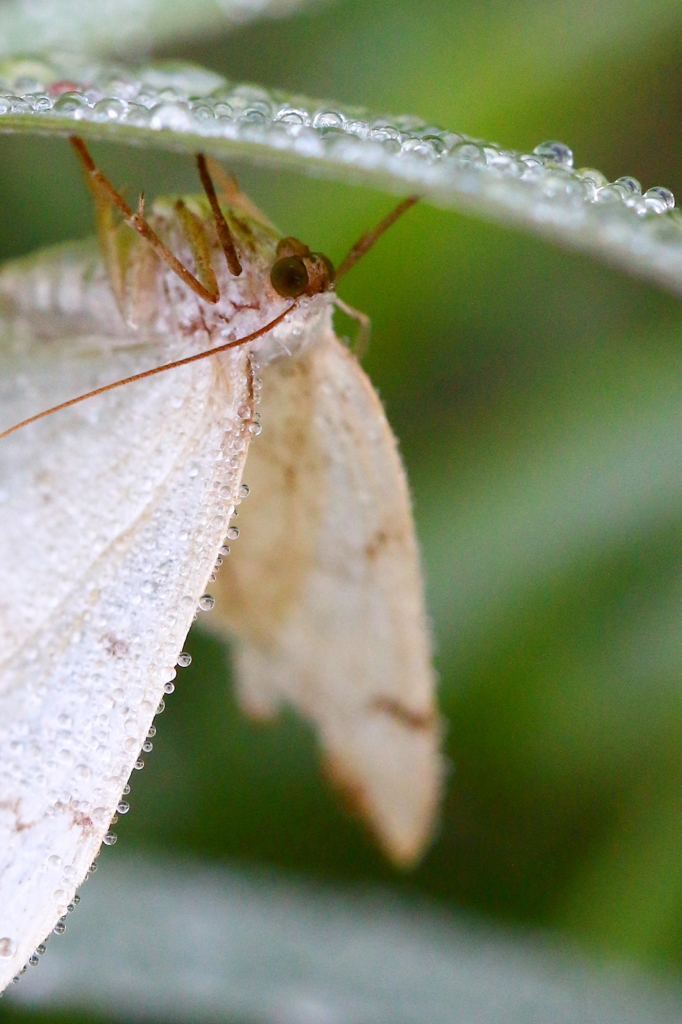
(164, 100)
(205, 604)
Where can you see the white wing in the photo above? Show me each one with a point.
(324, 591)
(111, 516)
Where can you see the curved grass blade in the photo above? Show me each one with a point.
(185, 108)
(105, 26)
(299, 952)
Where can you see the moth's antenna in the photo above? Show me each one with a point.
(370, 237)
(137, 222)
(150, 373)
(224, 233)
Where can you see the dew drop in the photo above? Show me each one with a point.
(206, 602)
(34, 960)
(123, 807)
(328, 119)
(110, 109)
(629, 183)
(664, 195)
(244, 491)
(20, 105)
(184, 659)
(596, 177)
(139, 765)
(175, 116)
(161, 707)
(468, 155)
(7, 948)
(385, 133)
(252, 116)
(202, 111)
(232, 533)
(59, 928)
(71, 103)
(429, 148)
(608, 194)
(555, 153)
(652, 205)
(224, 551)
(110, 838)
(291, 115)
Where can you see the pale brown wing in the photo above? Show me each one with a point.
(111, 516)
(323, 591)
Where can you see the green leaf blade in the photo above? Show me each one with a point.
(185, 108)
(103, 27)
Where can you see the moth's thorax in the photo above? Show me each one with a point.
(156, 299)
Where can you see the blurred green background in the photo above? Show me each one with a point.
(538, 399)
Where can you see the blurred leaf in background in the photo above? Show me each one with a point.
(538, 397)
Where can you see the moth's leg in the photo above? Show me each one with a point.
(199, 246)
(224, 234)
(365, 329)
(227, 183)
(100, 185)
(230, 193)
(109, 238)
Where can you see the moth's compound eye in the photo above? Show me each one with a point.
(289, 277)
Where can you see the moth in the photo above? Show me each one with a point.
(114, 514)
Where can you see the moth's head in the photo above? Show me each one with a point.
(286, 264)
(275, 274)
(297, 271)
